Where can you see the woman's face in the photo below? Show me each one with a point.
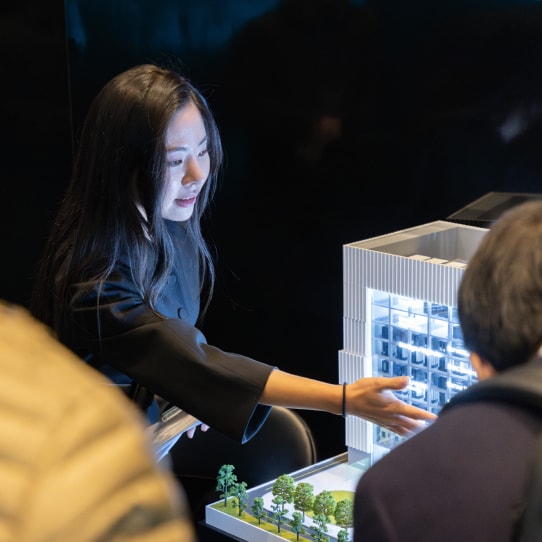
(188, 163)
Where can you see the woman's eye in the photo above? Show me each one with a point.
(175, 163)
(204, 152)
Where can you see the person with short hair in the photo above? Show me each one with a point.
(464, 476)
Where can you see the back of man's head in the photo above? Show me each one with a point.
(500, 295)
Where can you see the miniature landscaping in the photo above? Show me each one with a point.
(293, 512)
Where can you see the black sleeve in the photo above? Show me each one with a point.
(171, 357)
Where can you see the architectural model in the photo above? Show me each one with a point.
(399, 318)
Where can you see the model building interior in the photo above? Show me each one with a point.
(400, 318)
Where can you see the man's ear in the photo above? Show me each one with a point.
(483, 368)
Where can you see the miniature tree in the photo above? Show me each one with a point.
(258, 510)
(343, 536)
(344, 515)
(225, 481)
(304, 497)
(240, 501)
(284, 487)
(278, 511)
(324, 504)
(296, 523)
(319, 528)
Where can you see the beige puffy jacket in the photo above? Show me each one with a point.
(75, 465)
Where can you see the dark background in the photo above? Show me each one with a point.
(341, 121)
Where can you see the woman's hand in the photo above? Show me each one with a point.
(372, 398)
(192, 431)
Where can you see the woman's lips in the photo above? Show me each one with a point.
(185, 202)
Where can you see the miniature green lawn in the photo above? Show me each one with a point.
(272, 527)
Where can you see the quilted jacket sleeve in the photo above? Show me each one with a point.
(75, 462)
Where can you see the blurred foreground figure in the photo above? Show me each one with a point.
(75, 462)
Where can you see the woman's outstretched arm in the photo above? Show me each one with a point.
(370, 398)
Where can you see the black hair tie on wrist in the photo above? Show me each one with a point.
(344, 399)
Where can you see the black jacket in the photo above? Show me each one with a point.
(115, 331)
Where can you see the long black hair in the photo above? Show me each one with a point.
(119, 171)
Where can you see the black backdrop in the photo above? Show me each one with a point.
(341, 120)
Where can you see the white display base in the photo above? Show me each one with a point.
(331, 474)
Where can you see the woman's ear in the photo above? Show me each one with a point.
(483, 368)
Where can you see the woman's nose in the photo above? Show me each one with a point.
(194, 172)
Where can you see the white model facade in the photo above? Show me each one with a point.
(400, 318)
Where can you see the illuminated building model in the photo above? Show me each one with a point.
(399, 318)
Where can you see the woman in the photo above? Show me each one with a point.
(126, 266)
